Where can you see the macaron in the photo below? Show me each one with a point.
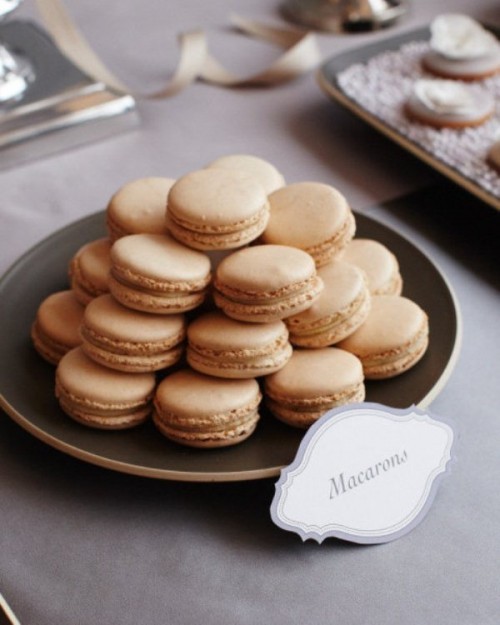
(227, 348)
(311, 216)
(493, 156)
(263, 171)
(380, 265)
(139, 207)
(393, 339)
(100, 397)
(341, 308)
(263, 283)
(55, 329)
(89, 270)
(130, 340)
(217, 209)
(312, 382)
(449, 104)
(461, 48)
(155, 273)
(202, 411)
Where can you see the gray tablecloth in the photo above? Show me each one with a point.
(84, 545)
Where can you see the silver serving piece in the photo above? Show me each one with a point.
(344, 15)
(15, 71)
(47, 104)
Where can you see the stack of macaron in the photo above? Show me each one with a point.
(219, 292)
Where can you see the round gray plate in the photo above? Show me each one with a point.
(27, 382)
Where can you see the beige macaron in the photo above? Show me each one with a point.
(312, 216)
(227, 348)
(380, 265)
(260, 169)
(312, 382)
(155, 273)
(264, 283)
(341, 308)
(393, 339)
(461, 48)
(217, 209)
(130, 340)
(89, 270)
(100, 397)
(56, 329)
(449, 104)
(139, 207)
(493, 156)
(202, 411)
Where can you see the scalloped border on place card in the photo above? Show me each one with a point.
(365, 473)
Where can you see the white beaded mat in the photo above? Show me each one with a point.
(382, 85)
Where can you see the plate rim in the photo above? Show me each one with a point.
(334, 91)
(197, 476)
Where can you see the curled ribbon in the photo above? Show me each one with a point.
(196, 63)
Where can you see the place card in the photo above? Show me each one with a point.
(365, 473)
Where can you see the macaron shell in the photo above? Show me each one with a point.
(159, 262)
(263, 171)
(220, 334)
(56, 328)
(393, 338)
(202, 411)
(265, 270)
(341, 308)
(139, 207)
(314, 375)
(102, 397)
(89, 270)
(215, 200)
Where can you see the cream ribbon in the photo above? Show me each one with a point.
(196, 63)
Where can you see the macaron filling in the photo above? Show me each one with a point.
(234, 235)
(265, 306)
(248, 361)
(303, 412)
(332, 328)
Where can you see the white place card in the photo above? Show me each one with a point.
(365, 473)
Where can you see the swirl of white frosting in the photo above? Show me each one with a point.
(445, 96)
(458, 36)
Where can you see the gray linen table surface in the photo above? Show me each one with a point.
(82, 545)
